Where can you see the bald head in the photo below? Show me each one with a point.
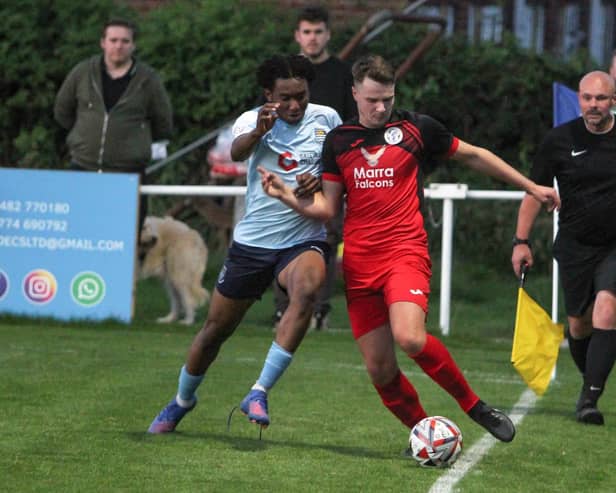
(598, 78)
(596, 96)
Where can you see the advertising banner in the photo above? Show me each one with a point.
(67, 243)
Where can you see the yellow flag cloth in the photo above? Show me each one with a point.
(536, 341)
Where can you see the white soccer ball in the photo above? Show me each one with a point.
(435, 442)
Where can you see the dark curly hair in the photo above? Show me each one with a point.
(284, 67)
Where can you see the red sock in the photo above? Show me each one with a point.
(435, 360)
(400, 397)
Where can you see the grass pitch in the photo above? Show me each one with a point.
(77, 399)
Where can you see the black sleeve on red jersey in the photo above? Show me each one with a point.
(436, 137)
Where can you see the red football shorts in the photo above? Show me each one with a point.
(371, 288)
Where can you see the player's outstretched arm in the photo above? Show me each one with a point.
(316, 206)
(487, 162)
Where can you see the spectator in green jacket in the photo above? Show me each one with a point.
(113, 107)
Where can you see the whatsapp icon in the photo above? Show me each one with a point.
(87, 289)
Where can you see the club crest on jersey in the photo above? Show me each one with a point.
(393, 135)
(373, 159)
(319, 135)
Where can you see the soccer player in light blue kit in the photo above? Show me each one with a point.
(272, 241)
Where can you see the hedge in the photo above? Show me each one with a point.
(497, 96)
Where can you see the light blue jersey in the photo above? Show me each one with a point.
(287, 150)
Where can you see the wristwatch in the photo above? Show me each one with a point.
(520, 241)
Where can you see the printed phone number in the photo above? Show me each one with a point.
(35, 207)
(55, 225)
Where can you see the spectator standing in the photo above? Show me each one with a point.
(333, 79)
(113, 107)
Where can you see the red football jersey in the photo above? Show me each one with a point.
(382, 171)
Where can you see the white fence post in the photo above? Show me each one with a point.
(446, 266)
(447, 192)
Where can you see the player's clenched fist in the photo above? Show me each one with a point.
(267, 117)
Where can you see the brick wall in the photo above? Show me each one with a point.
(343, 9)
(340, 10)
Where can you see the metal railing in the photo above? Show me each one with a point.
(447, 192)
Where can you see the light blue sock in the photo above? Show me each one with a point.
(188, 384)
(275, 364)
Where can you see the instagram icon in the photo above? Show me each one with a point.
(40, 286)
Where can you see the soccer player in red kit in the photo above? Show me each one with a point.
(377, 161)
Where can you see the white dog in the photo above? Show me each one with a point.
(178, 255)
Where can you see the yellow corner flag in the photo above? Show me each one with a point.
(536, 342)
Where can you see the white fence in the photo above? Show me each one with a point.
(447, 192)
